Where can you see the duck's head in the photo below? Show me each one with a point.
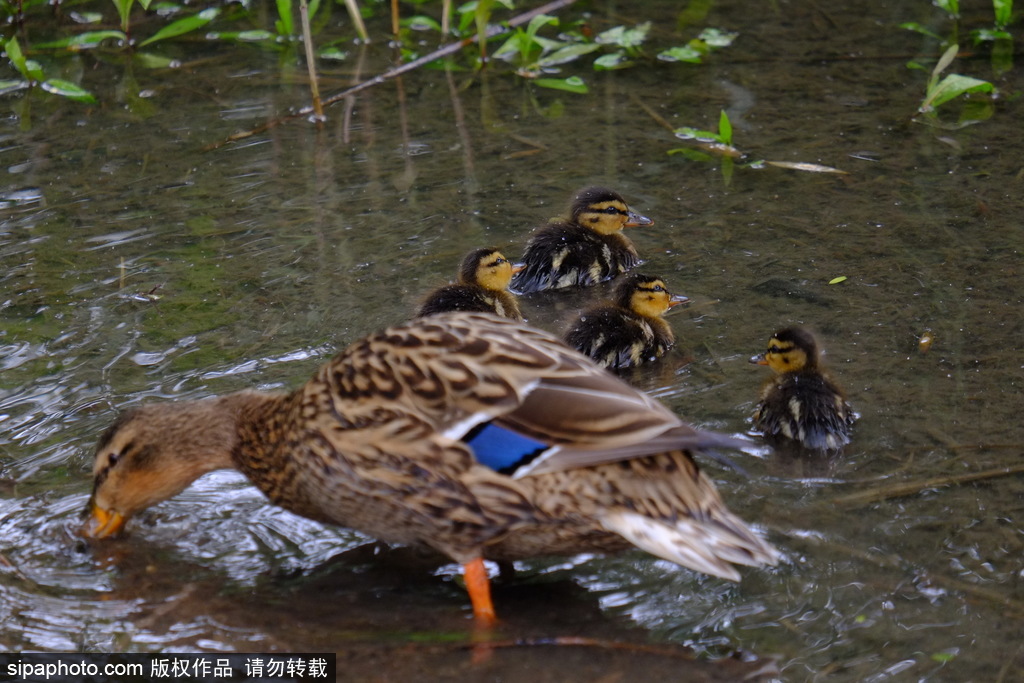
(789, 350)
(646, 295)
(604, 211)
(488, 268)
(152, 453)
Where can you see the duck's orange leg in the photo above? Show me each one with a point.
(479, 588)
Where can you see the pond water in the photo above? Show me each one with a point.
(138, 265)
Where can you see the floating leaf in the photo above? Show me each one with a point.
(572, 84)
(84, 41)
(684, 53)
(687, 133)
(802, 166)
(182, 26)
(421, 22)
(568, 53)
(11, 86)
(717, 37)
(68, 89)
(625, 37)
(837, 280)
(616, 60)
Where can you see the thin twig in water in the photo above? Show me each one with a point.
(913, 487)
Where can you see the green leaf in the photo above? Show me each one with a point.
(616, 60)
(286, 25)
(717, 37)
(182, 26)
(148, 60)
(923, 30)
(16, 56)
(1003, 10)
(984, 35)
(684, 53)
(568, 53)
(34, 69)
(945, 60)
(687, 133)
(333, 54)
(421, 22)
(837, 280)
(11, 86)
(724, 129)
(84, 41)
(625, 37)
(572, 84)
(952, 86)
(124, 10)
(68, 89)
(537, 22)
(952, 7)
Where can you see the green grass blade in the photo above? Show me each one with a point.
(69, 90)
(182, 26)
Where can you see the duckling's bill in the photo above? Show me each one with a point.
(635, 220)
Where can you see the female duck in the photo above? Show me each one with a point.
(630, 329)
(482, 287)
(801, 403)
(472, 434)
(586, 249)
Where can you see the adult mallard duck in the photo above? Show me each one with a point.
(629, 330)
(585, 249)
(482, 287)
(801, 403)
(472, 434)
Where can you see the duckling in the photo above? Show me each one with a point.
(482, 286)
(472, 434)
(629, 330)
(801, 402)
(586, 249)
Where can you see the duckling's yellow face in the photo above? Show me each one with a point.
(495, 272)
(652, 299)
(607, 217)
(783, 355)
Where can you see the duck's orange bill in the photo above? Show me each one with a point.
(518, 267)
(101, 523)
(759, 359)
(479, 588)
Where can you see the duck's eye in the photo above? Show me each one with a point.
(611, 211)
(658, 288)
(113, 458)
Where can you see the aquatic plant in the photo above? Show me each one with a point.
(33, 75)
(952, 86)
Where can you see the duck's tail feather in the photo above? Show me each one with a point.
(705, 546)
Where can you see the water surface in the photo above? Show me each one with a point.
(137, 266)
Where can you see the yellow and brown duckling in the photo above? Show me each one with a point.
(801, 403)
(630, 329)
(482, 287)
(585, 249)
(472, 434)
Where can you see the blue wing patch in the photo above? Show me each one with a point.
(502, 449)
